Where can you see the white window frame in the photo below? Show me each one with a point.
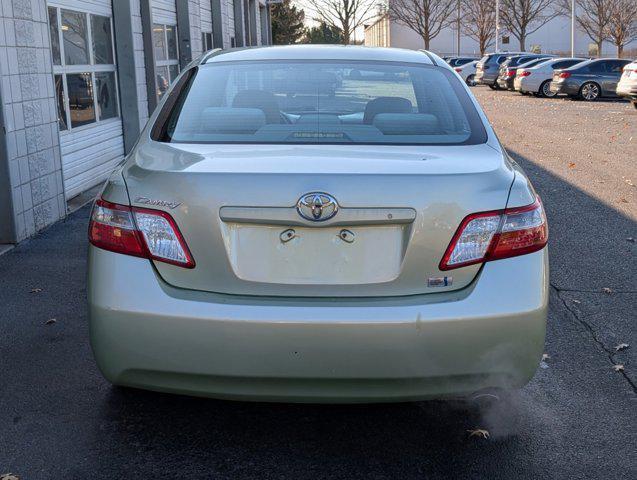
(169, 61)
(91, 68)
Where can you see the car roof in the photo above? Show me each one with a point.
(319, 52)
(596, 60)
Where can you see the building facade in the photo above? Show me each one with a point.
(79, 80)
(554, 37)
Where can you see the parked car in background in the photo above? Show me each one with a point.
(589, 80)
(627, 86)
(509, 68)
(468, 72)
(488, 67)
(254, 245)
(537, 79)
(459, 61)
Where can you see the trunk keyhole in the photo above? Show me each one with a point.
(346, 235)
(287, 235)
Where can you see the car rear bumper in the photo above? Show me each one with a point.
(566, 88)
(627, 90)
(147, 334)
(506, 83)
(486, 78)
(525, 84)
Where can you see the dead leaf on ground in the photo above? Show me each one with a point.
(618, 368)
(545, 356)
(33, 290)
(607, 290)
(50, 321)
(571, 164)
(478, 432)
(621, 346)
(577, 301)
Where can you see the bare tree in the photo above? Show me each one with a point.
(523, 17)
(622, 23)
(591, 16)
(343, 15)
(425, 17)
(478, 22)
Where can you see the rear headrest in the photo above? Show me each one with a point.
(231, 120)
(264, 101)
(386, 105)
(407, 124)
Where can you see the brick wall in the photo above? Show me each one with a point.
(30, 116)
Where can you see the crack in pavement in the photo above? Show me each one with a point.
(575, 290)
(611, 353)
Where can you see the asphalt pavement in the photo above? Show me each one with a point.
(576, 419)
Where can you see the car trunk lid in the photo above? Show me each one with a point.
(397, 210)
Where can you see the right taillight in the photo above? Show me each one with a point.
(458, 69)
(487, 236)
(524, 73)
(565, 75)
(139, 232)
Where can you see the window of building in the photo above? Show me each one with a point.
(166, 56)
(206, 41)
(83, 67)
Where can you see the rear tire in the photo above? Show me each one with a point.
(496, 86)
(635, 104)
(492, 87)
(545, 90)
(590, 92)
(471, 80)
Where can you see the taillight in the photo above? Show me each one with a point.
(565, 75)
(458, 69)
(140, 232)
(487, 236)
(524, 73)
(510, 73)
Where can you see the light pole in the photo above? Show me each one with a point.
(497, 26)
(458, 25)
(572, 28)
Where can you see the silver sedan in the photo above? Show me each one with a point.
(318, 224)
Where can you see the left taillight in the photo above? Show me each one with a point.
(139, 232)
(486, 236)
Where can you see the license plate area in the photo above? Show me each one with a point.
(338, 255)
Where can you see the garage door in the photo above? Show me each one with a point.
(85, 79)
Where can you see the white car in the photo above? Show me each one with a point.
(627, 86)
(537, 79)
(468, 72)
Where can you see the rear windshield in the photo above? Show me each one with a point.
(320, 102)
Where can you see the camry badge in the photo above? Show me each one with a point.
(317, 206)
(158, 203)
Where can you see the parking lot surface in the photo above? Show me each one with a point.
(60, 419)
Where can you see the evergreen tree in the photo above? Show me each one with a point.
(287, 23)
(323, 33)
